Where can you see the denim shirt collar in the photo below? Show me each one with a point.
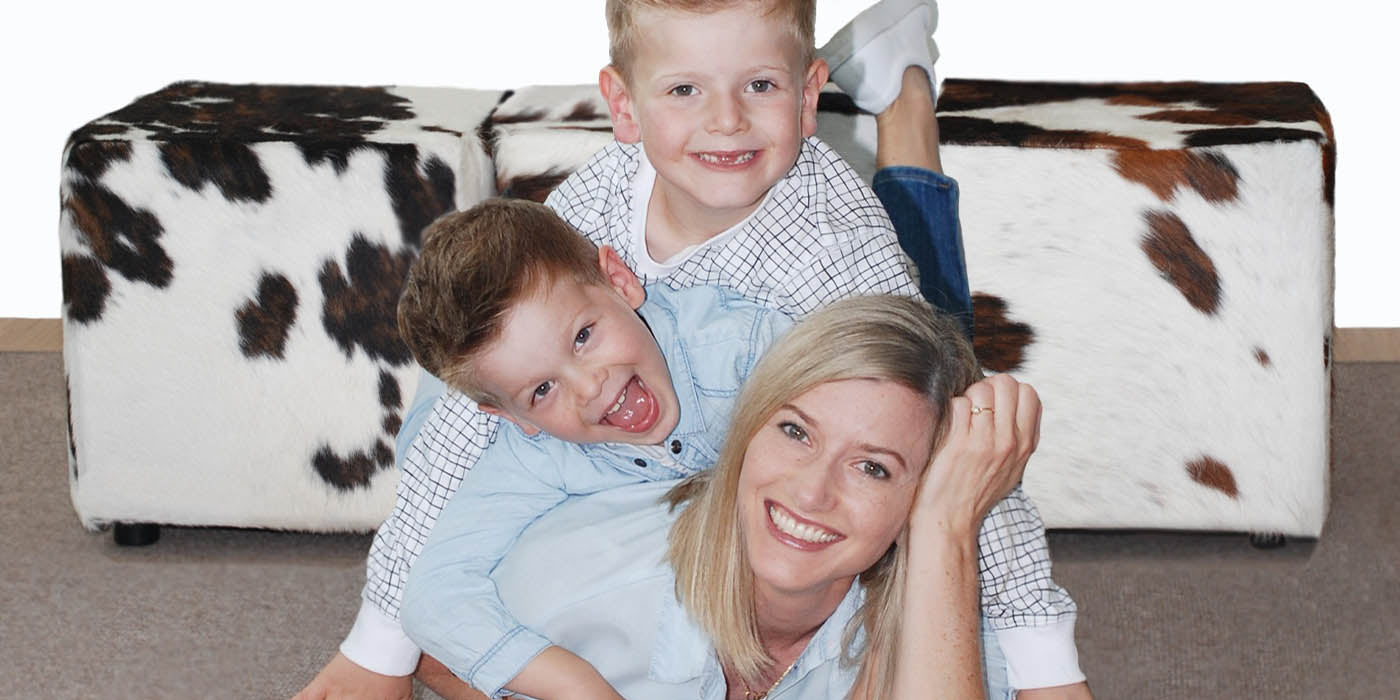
(683, 651)
(659, 313)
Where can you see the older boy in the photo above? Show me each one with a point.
(715, 180)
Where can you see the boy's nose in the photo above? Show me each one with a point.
(590, 382)
(726, 115)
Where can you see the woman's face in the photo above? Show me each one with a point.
(828, 481)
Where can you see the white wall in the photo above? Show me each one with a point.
(68, 62)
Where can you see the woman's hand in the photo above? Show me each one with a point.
(992, 430)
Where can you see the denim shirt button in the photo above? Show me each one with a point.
(639, 462)
(675, 447)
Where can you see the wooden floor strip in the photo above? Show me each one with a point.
(31, 335)
(1351, 344)
(1367, 345)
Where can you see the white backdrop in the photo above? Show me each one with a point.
(68, 62)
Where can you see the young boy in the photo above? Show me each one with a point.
(603, 384)
(727, 188)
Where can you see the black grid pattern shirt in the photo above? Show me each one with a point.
(819, 236)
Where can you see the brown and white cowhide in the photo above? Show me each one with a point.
(232, 259)
(1156, 258)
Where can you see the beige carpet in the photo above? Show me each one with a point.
(209, 613)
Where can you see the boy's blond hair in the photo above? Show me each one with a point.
(800, 16)
(474, 267)
(895, 339)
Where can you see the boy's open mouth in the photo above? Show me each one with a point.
(726, 159)
(635, 409)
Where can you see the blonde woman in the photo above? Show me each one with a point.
(830, 553)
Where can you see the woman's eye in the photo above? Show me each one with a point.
(793, 430)
(583, 335)
(761, 86)
(683, 90)
(874, 469)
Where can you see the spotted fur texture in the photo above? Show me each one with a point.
(232, 259)
(1154, 257)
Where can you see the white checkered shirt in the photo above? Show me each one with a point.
(820, 236)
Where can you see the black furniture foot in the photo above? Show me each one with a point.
(135, 534)
(1267, 540)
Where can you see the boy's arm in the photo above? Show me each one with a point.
(861, 262)
(450, 441)
(451, 607)
(1032, 617)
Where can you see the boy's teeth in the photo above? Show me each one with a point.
(727, 160)
(802, 531)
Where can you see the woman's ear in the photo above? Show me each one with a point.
(811, 92)
(621, 109)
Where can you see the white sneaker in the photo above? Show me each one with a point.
(868, 56)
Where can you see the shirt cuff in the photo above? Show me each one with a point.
(377, 642)
(505, 661)
(1041, 657)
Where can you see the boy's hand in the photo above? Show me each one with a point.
(343, 679)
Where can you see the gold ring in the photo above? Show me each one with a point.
(978, 409)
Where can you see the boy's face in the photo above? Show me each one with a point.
(574, 360)
(720, 101)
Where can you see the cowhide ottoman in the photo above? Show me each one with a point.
(1155, 258)
(232, 259)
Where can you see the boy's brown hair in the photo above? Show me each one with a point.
(474, 267)
(623, 32)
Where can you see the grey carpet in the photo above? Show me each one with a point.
(214, 613)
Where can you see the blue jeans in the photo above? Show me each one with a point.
(923, 205)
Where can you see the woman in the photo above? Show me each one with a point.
(822, 484)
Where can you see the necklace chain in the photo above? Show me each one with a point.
(749, 693)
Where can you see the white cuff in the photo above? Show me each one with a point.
(377, 642)
(1040, 657)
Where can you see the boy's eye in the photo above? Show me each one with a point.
(761, 86)
(583, 335)
(874, 470)
(683, 90)
(540, 391)
(793, 430)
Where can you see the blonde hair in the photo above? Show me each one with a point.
(474, 267)
(889, 338)
(800, 16)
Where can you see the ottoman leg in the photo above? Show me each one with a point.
(1267, 540)
(135, 534)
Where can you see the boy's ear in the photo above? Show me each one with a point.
(624, 119)
(817, 74)
(620, 277)
(526, 428)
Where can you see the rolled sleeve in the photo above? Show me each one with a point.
(1042, 656)
(377, 642)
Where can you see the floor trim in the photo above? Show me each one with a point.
(1351, 344)
(31, 335)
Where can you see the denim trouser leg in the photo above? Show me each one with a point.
(923, 205)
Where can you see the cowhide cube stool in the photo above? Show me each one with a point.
(232, 260)
(1155, 258)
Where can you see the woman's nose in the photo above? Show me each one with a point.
(814, 486)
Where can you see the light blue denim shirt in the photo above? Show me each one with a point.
(711, 338)
(591, 576)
